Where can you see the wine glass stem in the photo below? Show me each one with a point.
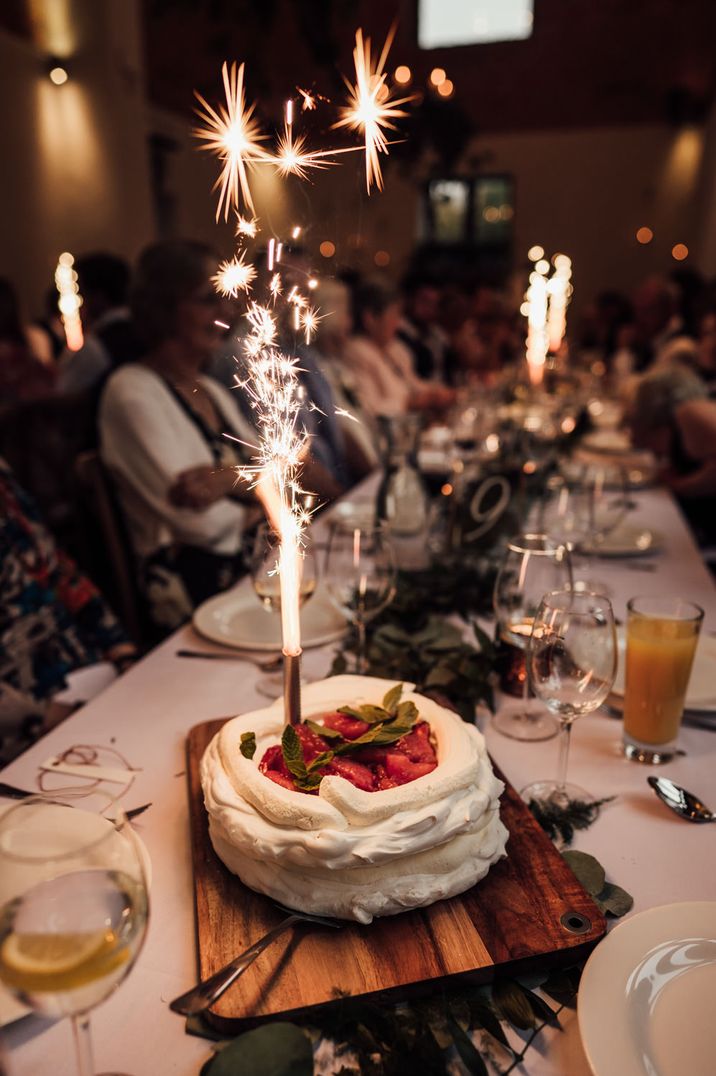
(83, 1044)
(361, 663)
(564, 737)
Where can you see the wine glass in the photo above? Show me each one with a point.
(572, 661)
(73, 909)
(360, 576)
(533, 564)
(267, 587)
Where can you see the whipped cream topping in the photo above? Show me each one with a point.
(347, 852)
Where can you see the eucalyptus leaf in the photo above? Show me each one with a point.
(560, 988)
(613, 900)
(541, 1009)
(279, 1049)
(513, 1005)
(588, 870)
(469, 1054)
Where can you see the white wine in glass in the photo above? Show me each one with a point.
(73, 909)
(533, 564)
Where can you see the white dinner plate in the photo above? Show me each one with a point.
(645, 1003)
(237, 619)
(626, 540)
(608, 441)
(701, 692)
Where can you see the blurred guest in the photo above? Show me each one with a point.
(466, 357)
(172, 437)
(419, 327)
(53, 622)
(657, 330)
(672, 416)
(601, 323)
(109, 335)
(386, 382)
(23, 374)
(331, 338)
(705, 359)
(49, 327)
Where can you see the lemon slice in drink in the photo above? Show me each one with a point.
(58, 961)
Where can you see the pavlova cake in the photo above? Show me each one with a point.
(379, 801)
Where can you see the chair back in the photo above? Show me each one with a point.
(119, 583)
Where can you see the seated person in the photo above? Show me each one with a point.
(109, 335)
(419, 326)
(386, 382)
(24, 373)
(672, 416)
(53, 621)
(172, 438)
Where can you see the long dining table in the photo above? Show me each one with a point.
(147, 713)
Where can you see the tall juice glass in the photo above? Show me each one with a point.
(662, 634)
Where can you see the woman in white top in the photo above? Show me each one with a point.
(163, 433)
(385, 379)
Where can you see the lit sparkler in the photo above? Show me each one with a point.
(535, 310)
(69, 301)
(234, 134)
(234, 276)
(371, 109)
(272, 381)
(560, 292)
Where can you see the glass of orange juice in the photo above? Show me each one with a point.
(662, 634)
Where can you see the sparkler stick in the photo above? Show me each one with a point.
(233, 133)
(69, 301)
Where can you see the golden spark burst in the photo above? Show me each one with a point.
(292, 157)
(275, 287)
(370, 108)
(309, 319)
(309, 101)
(245, 227)
(234, 134)
(234, 276)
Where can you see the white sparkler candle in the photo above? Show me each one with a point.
(560, 290)
(69, 301)
(535, 307)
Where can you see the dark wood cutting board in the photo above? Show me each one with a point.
(522, 915)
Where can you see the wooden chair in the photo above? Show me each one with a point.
(114, 572)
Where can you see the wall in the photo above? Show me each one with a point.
(75, 173)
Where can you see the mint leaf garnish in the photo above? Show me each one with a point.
(292, 751)
(247, 746)
(323, 730)
(392, 698)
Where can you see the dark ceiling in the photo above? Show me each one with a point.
(588, 62)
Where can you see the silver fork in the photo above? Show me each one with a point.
(202, 996)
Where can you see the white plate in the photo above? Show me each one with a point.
(701, 692)
(608, 441)
(626, 540)
(645, 1003)
(238, 620)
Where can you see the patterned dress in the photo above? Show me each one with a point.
(52, 618)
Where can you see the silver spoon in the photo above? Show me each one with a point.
(202, 996)
(682, 802)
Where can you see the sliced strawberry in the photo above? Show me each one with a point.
(280, 779)
(400, 767)
(382, 781)
(416, 744)
(312, 743)
(358, 775)
(350, 728)
(370, 756)
(273, 760)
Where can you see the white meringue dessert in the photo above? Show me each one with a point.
(346, 852)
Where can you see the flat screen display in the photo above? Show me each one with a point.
(444, 23)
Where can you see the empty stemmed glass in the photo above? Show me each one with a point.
(360, 576)
(73, 909)
(532, 565)
(571, 661)
(267, 586)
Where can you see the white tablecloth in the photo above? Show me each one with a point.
(147, 714)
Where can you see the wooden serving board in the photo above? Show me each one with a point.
(518, 917)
